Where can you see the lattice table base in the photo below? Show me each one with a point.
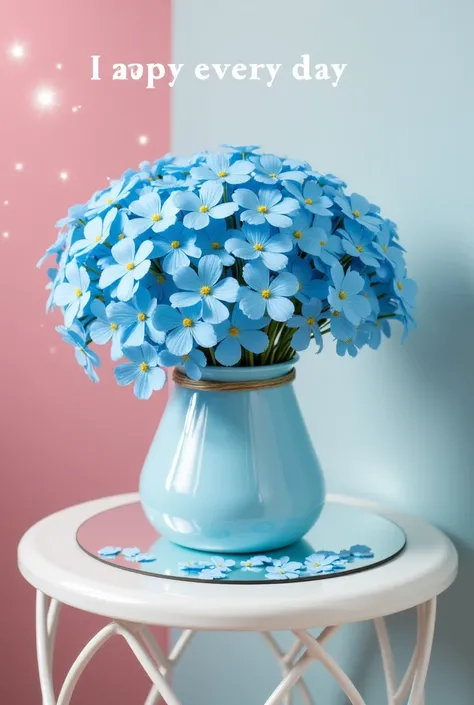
(305, 650)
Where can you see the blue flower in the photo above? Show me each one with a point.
(318, 242)
(212, 239)
(237, 333)
(357, 242)
(193, 566)
(143, 369)
(321, 562)
(269, 205)
(159, 284)
(344, 295)
(176, 245)
(358, 208)
(130, 267)
(75, 216)
(263, 296)
(109, 551)
(110, 196)
(142, 558)
(405, 291)
(341, 328)
(192, 362)
(96, 232)
(261, 244)
(205, 206)
(309, 287)
(204, 287)
(183, 328)
(387, 247)
(370, 332)
(269, 169)
(87, 359)
(218, 167)
(74, 294)
(55, 248)
(104, 328)
(222, 564)
(130, 552)
(361, 551)
(212, 574)
(283, 569)
(311, 197)
(346, 346)
(135, 319)
(242, 149)
(151, 214)
(254, 565)
(307, 325)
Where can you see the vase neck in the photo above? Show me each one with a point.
(247, 374)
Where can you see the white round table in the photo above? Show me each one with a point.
(63, 574)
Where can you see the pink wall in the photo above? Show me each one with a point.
(62, 439)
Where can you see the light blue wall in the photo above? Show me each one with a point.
(397, 425)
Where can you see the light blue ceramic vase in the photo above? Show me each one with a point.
(233, 471)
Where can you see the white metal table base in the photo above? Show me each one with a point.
(159, 667)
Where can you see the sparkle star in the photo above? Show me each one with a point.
(64, 176)
(44, 97)
(17, 51)
(5, 235)
(18, 166)
(59, 66)
(5, 203)
(143, 139)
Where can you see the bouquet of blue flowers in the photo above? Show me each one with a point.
(233, 258)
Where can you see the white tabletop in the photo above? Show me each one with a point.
(50, 559)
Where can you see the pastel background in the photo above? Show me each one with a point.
(63, 439)
(394, 426)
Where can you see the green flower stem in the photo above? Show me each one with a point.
(272, 332)
(91, 269)
(213, 357)
(386, 315)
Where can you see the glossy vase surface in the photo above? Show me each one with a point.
(233, 471)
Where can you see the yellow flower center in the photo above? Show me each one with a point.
(205, 290)
(129, 266)
(215, 245)
(272, 175)
(359, 248)
(109, 201)
(297, 234)
(258, 246)
(141, 316)
(346, 342)
(384, 248)
(160, 279)
(399, 286)
(300, 286)
(175, 244)
(114, 326)
(221, 174)
(342, 295)
(187, 322)
(248, 564)
(203, 209)
(336, 314)
(156, 217)
(98, 238)
(262, 209)
(356, 214)
(308, 201)
(282, 571)
(316, 565)
(266, 293)
(121, 236)
(185, 358)
(143, 367)
(377, 324)
(78, 292)
(311, 321)
(234, 331)
(322, 242)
